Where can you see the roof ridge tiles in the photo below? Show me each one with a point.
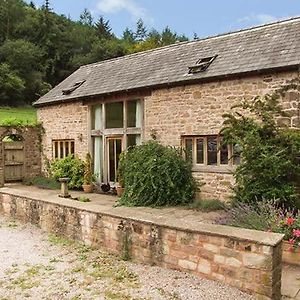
(257, 27)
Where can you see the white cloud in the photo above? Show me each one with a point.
(258, 19)
(115, 6)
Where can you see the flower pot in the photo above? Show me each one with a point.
(120, 191)
(87, 188)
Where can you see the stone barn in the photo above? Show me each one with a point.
(176, 93)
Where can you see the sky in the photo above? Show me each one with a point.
(203, 17)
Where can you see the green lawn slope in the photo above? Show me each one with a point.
(24, 115)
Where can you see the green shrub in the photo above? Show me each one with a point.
(156, 175)
(71, 167)
(207, 205)
(43, 182)
(270, 165)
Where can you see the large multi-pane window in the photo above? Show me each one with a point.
(210, 150)
(115, 127)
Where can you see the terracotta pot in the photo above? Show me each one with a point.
(87, 188)
(120, 191)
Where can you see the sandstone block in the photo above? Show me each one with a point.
(204, 266)
(188, 265)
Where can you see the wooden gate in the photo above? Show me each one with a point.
(13, 161)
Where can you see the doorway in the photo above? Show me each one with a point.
(114, 146)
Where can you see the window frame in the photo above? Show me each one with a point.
(64, 142)
(205, 166)
(105, 133)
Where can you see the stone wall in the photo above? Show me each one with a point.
(32, 149)
(197, 110)
(65, 121)
(246, 259)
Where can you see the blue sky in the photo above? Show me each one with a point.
(184, 16)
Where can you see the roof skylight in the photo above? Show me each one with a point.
(201, 65)
(72, 88)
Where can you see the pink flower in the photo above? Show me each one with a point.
(291, 241)
(296, 232)
(290, 221)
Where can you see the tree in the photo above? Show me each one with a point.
(32, 5)
(106, 49)
(26, 59)
(141, 31)
(11, 13)
(128, 36)
(11, 86)
(103, 29)
(86, 18)
(47, 5)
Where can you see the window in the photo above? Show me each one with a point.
(72, 88)
(115, 126)
(210, 151)
(201, 65)
(62, 148)
(114, 115)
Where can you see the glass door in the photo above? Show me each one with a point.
(114, 149)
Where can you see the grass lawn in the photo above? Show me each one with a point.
(25, 114)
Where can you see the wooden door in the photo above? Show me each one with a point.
(13, 161)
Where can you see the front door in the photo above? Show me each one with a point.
(114, 149)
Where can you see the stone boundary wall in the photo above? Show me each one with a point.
(246, 259)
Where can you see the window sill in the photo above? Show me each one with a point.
(214, 169)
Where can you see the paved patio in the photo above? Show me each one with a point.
(107, 204)
(290, 282)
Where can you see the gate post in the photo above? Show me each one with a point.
(1, 164)
(1, 176)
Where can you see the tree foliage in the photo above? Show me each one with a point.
(11, 85)
(270, 165)
(41, 48)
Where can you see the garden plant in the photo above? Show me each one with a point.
(156, 175)
(270, 164)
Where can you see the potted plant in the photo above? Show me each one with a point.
(88, 175)
(120, 187)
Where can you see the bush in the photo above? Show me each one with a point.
(270, 165)
(268, 216)
(207, 205)
(43, 182)
(156, 175)
(71, 167)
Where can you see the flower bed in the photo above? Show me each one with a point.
(271, 218)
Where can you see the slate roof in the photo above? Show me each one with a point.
(270, 46)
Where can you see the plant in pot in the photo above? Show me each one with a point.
(120, 187)
(88, 176)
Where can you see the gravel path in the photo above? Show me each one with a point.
(36, 266)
